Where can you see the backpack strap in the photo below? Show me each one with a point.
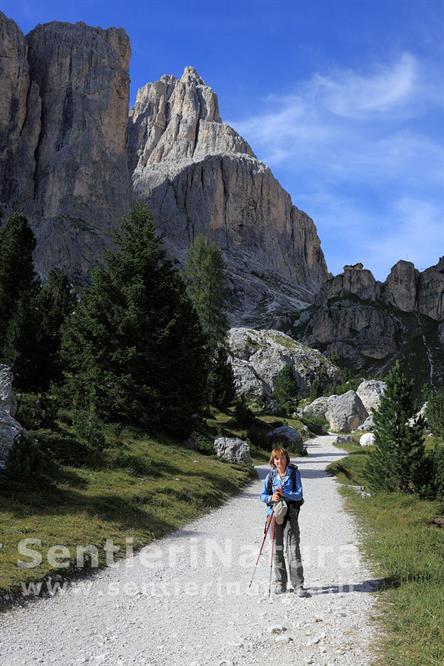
(293, 469)
(271, 476)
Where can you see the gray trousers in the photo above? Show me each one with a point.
(287, 538)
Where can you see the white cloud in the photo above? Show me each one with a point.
(354, 96)
(363, 156)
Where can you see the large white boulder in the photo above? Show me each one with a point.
(232, 449)
(367, 440)
(257, 358)
(8, 402)
(346, 412)
(318, 407)
(371, 391)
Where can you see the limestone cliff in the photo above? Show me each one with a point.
(67, 89)
(199, 176)
(19, 117)
(369, 324)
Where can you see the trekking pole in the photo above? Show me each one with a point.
(267, 527)
(272, 554)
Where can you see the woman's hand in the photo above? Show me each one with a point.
(277, 495)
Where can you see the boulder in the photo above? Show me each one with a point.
(368, 439)
(232, 449)
(346, 412)
(371, 392)
(257, 357)
(286, 433)
(10, 430)
(318, 407)
(8, 401)
(368, 424)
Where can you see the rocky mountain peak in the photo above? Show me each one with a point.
(191, 76)
(401, 286)
(175, 120)
(355, 280)
(198, 175)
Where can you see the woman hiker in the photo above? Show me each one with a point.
(284, 482)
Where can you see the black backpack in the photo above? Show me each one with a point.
(293, 469)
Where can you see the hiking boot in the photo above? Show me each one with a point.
(302, 593)
(280, 588)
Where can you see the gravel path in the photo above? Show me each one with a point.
(185, 599)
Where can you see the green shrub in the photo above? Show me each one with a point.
(65, 449)
(27, 462)
(433, 474)
(243, 416)
(89, 427)
(35, 413)
(204, 445)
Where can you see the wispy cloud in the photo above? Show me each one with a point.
(361, 152)
(353, 95)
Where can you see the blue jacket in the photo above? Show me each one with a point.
(287, 485)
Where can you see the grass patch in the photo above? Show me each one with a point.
(139, 487)
(407, 552)
(350, 470)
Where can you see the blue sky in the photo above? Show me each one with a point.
(343, 99)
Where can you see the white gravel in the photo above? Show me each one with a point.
(185, 599)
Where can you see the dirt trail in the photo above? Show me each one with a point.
(185, 599)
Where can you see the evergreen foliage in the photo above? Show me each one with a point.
(285, 390)
(221, 387)
(435, 412)
(134, 343)
(204, 277)
(26, 462)
(243, 415)
(398, 459)
(19, 286)
(55, 302)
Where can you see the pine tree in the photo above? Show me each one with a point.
(221, 386)
(19, 286)
(204, 277)
(134, 341)
(285, 389)
(435, 412)
(397, 461)
(55, 302)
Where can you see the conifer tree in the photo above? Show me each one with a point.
(19, 287)
(285, 389)
(204, 277)
(55, 302)
(134, 341)
(221, 386)
(397, 461)
(435, 412)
